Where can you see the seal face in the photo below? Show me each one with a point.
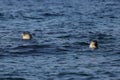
(26, 36)
(93, 45)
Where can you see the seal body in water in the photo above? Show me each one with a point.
(26, 36)
(93, 45)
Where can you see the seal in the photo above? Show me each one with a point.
(93, 44)
(26, 36)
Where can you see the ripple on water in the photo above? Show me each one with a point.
(52, 14)
(81, 43)
(28, 49)
(75, 75)
(61, 27)
(9, 78)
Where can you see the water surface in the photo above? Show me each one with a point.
(62, 30)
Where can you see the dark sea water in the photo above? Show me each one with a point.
(62, 31)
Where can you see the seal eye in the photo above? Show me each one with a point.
(93, 45)
(26, 36)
